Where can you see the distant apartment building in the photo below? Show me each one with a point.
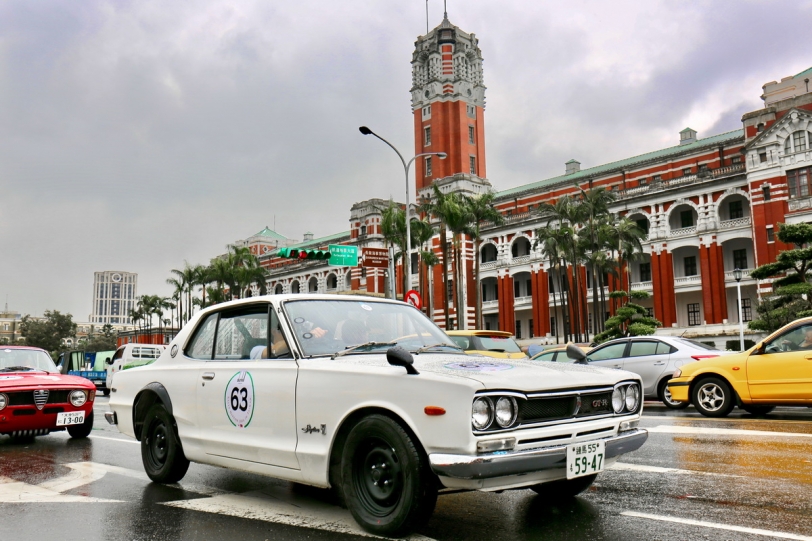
(114, 295)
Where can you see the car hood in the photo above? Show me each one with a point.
(515, 374)
(41, 380)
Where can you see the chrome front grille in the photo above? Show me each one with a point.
(40, 398)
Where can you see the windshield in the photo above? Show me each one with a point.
(25, 359)
(327, 327)
(497, 343)
(694, 343)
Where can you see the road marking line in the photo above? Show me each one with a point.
(624, 466)
(122, 440)
(702, 430)
(715, 525)
(91, 471)
(280, 506)
(12, 491)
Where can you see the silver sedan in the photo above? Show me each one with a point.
(654, 358)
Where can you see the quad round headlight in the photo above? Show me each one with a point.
(3, 401)
(78, 398)
(481, 413)
(618, 399)
(632, 397)
(506, 411)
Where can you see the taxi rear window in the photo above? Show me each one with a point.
(496, 342)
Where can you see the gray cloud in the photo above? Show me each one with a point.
(137, 135)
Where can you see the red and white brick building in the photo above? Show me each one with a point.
(709, 205)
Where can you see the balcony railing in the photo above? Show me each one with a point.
(735, 222)
(523, 301)
(682, 231)
(643, 286)
(490, 305)
(800, 204)
(488, 265)
(520, 260)
(682, 181)
(684, 281)
(745, 275)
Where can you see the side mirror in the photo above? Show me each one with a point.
(108, 360)
(574, 352)
(398, 356)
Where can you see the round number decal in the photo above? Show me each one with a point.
(239, 399)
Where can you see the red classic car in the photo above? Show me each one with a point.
(36, 399)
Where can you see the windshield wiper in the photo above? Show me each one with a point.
(426, 348)
(364, 345)
(19, 369)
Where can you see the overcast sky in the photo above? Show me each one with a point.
(136, 135)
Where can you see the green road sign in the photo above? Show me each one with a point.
(343, 256)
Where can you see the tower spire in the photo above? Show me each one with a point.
(445, 9)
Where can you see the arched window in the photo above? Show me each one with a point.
(798, 141)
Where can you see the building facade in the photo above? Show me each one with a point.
(708, 205)
(115, 293)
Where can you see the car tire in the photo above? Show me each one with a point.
(757, 410)
(564, 488)
(82, 430)
(106, 392)
(713, 397)
(665, 397)
(387, 484)
(161, 452)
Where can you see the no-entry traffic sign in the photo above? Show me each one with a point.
(413, 298)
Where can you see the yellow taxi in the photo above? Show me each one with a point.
(775, 372)
(499, 344)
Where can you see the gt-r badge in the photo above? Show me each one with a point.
(311, 429)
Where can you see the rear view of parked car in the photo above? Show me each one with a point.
(654, 358)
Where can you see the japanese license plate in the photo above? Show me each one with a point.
(584, 458)
(70, 418)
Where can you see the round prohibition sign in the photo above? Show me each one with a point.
(413, 298)
(239, 399)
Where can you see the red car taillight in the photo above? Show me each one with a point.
(700, 357)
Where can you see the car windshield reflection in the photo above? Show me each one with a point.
(328, 327)
(25, 359)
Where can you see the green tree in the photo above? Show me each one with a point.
(49, 331)
(629, 320)
(481, 211)
(393, 229)
(102, 341)
(792, 289)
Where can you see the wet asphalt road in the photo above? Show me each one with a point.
(739, 478)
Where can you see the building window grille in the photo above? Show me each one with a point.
(736, 160)
(689, 264)
(450, 292)
(518, 329)
(798, 181)
(427, 136)
(641, 181)
(770, 234)
(740, 259)
(471, 111)
(762, 157)
(703, 168)
(471, 139)
(735, 209)
(426, 112)
(645, 272)
(428, 166)
(798, 141)
(686, 218)
(650, 312)
(686, 171)
(747, 310)
(656, 178)
(363, 230)
(472, 163)
(693, 314)
(766, 191)
(553, 328)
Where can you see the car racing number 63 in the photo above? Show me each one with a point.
(239, 399)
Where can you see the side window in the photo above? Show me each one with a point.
(242, 334)
(119, 354)
(643, 347)
(799, 338)
(612, 351)
(279, 346)
(546, 356)
(461, 341)
(664, 349)
(201, 345)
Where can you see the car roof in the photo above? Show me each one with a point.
(23, 347)
(478, 332)
(300, 297)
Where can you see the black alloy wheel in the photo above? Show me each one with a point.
(161, 452)
(82, 430)
(713, 397)
(386, 480)
(665, 397)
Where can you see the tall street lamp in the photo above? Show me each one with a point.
(737, 274)
(407, 257)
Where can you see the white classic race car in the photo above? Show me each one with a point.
(369, 397)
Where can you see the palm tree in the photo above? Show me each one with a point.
(594, 207)
(552, 251)
(436, 207)
(422, 233)
(393, 228)
(221, 272)
(458, 220)
(481, 210)
(430, 259)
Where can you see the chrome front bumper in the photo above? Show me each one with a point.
(503, 463)
(111, 417)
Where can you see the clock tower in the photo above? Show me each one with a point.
(448, 104)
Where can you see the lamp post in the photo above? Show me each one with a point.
(737, 274)
(407, 257)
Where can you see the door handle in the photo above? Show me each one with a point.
(617, 366)
(659, 364)
(208, 375)
(809, 358)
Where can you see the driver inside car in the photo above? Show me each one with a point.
(806, 343)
